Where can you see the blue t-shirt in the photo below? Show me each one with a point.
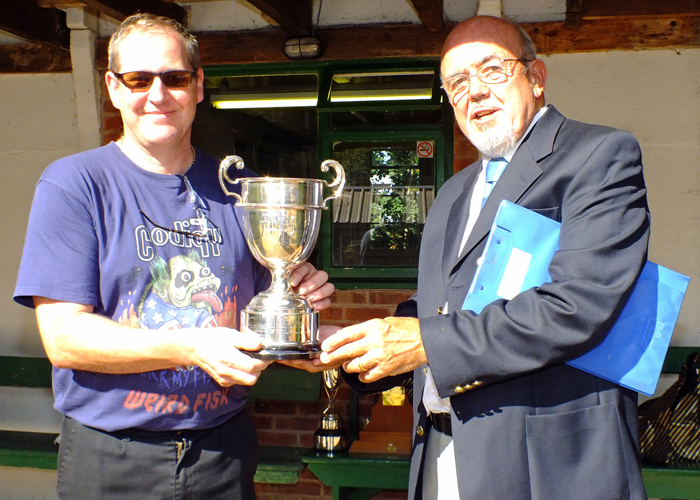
(107, 233)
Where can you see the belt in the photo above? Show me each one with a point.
(441, 422)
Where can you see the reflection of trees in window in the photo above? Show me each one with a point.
(393, 213)
(387, 192)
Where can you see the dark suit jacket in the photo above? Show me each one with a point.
(526, 425)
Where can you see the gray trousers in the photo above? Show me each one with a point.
(211, 464)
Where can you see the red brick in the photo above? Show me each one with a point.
(307, 475)
(350, 297)
(332, 314)
(108, 137)
(389, 297)
(274, 407)
(309, 423)
(307, 441)
(112, 121)
(359, 314)
(277, 438)
(263, 422)
(312, 407)
(391, 495)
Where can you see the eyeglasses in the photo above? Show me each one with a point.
(142, 80)
(208, 230)
(493, 71)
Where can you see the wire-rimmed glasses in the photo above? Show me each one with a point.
(491, 72)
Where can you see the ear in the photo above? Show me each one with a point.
(200, 85)
(113, 89)
(538, 77)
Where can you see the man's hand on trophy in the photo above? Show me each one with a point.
(312, 283)
(221, 353)
(315, 365)
(377, 348)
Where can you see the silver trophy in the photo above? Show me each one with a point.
(331, 436)
(281, 223)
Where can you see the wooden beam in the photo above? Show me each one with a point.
(341, 43)
(605, 34)
(622, 8)
(25, 19)
(34, 58)
(292, 17)
(121, 9)
(429, 12)
(592, 35)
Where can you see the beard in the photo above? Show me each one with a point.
(494, 141)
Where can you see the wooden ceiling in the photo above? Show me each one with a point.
(590, 25)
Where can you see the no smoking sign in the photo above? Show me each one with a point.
(425, 149)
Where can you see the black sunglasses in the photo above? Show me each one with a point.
(142, 80)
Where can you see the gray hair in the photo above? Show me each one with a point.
(147, 22)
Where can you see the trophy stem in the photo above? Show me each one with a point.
(280, 281)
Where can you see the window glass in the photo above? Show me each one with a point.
(389, 189)
(393, 86)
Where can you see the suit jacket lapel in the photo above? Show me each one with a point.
(521, 172)
(457, 219)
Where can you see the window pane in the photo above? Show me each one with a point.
(393, 86)
(389, 189)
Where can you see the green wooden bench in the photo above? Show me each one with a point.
(37, 450)
(360, 476)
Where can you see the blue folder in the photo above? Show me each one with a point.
(517, 256)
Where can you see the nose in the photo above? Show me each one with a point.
(158, 91)
(478, 89)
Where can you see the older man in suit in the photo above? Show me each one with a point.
(498, 414)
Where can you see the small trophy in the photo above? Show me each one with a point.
(281, 222)
(331, 436)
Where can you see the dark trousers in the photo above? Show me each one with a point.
(210, 464)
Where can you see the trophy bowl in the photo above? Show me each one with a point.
(281, 222)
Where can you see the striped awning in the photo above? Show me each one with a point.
(355, 203)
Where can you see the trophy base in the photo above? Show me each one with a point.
(290, 334)
(331, 440)
(270, 354)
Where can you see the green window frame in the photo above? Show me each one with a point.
(328, 134)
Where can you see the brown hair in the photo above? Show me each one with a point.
(150, 22)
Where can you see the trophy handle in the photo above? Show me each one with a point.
(338, 182)
(223, 174)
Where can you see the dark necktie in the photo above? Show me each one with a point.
(494, 169)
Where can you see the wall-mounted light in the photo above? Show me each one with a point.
(307, 47)
(265, 100)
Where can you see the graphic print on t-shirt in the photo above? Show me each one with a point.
(182, 294)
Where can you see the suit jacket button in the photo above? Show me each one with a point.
(477, 383)
(440, 309)
(425, 370)
(460, 389)
(419, 430)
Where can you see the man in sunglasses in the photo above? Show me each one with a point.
(497, 412)
(137, 265)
